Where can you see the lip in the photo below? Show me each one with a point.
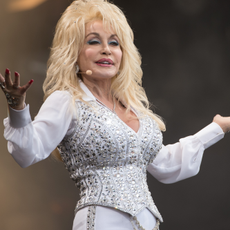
(105, 60)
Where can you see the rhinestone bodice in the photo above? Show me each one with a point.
(108, 160)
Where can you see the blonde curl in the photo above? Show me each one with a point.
(68, 41)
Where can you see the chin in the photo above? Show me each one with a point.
(105, 75)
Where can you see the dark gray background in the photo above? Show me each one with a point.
(185, 46)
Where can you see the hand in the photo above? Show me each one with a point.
(15, 94)
(223, 122)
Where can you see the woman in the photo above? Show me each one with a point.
(97, 113)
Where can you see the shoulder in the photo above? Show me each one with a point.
(59, 97)
(58, 100)
(59, 94)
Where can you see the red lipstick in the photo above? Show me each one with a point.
(105, 62)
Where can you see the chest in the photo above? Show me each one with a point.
(102, 139)
(130, 118)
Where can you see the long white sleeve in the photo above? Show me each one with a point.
(183, 159)
(30, 142)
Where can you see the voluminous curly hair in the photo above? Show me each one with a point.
(69, 39)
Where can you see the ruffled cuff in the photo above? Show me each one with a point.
(209, 135)
(19, 118)
(183, 159)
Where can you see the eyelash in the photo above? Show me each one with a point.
(94, 42)
(115, 43)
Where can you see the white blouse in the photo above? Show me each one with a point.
(32, 141)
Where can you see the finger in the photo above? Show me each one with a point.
(2, 79)
(8, 78)
(16, 80)
(27, 86)
(2, 82)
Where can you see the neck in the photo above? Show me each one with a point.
(100, 89)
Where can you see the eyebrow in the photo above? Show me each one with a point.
(98, 35)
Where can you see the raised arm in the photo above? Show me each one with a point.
(32, 141)
(182, 160)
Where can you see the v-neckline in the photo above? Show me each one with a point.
(90, 96)
(139, 121)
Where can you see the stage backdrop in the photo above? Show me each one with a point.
(185, 45)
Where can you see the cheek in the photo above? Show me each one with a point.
(119, 55)
(84, 58)
(90, 54)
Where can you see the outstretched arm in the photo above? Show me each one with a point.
(182, 160)
(32, 141)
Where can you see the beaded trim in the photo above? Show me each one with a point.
(137, 226)
(107, 160)
(91, 217)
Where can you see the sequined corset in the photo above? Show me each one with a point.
(108, 160)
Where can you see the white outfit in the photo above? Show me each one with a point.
(32, 141)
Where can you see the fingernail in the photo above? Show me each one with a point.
(16, 74)
(31, 81)
(7, 71)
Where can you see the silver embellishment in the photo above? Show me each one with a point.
(108, 160)
(91, 217)
(2, 86)
(114, 105)
(11, 100)
(137, 226)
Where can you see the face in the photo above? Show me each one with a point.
(101, 52)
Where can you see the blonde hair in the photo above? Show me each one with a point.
(69, 39)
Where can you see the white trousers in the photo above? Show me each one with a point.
(105, 218)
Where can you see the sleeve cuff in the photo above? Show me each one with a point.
(19, 118)
(210, 134)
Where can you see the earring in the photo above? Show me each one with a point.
(77, 69)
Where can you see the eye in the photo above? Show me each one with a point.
(93, 42)
(114, 43)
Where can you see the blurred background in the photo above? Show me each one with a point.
(185, 45)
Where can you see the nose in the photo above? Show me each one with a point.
(106, 50)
